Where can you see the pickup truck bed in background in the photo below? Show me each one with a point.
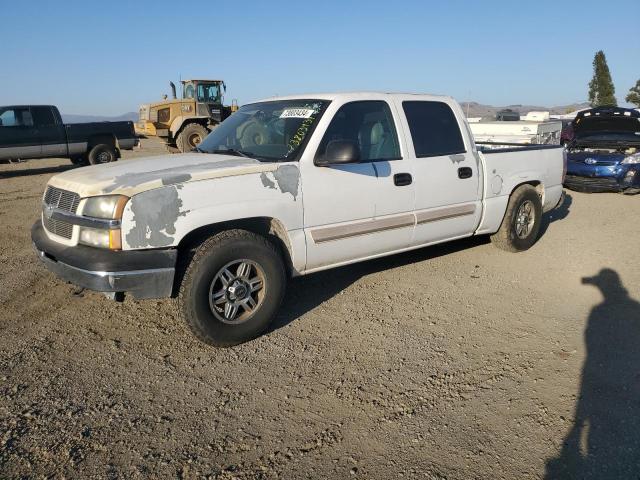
(37, 131)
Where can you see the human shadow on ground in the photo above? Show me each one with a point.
(604, 442)
(556, 214)
(26, 172)
(306, 293)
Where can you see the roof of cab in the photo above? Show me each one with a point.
(346, 96)
(26, 106)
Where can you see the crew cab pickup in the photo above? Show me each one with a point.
(285, 187)
(37, 131)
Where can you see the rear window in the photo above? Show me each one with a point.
(434, 129)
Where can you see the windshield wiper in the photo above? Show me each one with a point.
(233, 151)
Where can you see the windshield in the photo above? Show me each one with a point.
(273, 131)
(209, 93)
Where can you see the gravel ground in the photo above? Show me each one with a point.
(453, 362)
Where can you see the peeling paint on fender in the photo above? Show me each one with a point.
(288, 179)
(266, 181)
(154, 216)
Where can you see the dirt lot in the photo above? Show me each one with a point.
(457, 362)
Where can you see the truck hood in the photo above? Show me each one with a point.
(129, 177)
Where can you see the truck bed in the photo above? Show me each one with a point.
(516, 164)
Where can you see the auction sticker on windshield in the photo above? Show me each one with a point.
(297, 113)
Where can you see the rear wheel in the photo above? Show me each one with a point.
(521, 223)
(190, 137)
(232, 288)
(102, 153)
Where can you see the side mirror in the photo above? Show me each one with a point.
(340, 152)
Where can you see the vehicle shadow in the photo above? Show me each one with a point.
(308, 292)
(556, 214)
(36, 171)
(604, 441)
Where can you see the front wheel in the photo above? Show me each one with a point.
(232, 288)
(521, 223)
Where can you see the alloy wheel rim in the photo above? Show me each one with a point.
(525, 219)
(237, 291)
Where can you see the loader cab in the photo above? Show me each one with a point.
(207, 96)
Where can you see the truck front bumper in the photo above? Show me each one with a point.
(143, 273)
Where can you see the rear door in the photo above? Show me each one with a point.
(354, 211)
(50, 131)
(446, 170)
(18, 136)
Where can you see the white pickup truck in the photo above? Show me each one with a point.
(284, 187)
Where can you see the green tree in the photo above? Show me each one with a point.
(601, 89)
(634, 95)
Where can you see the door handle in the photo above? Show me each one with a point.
(402, 179)
(465, 172)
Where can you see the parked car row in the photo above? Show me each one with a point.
(326, 180)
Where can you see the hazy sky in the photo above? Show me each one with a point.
(91, 57)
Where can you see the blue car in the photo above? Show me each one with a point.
(604, 155)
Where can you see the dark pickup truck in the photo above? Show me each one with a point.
(37, 131)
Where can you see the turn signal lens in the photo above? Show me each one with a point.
(115, 239)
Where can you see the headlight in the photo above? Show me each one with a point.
(101, 238)
(107, 207)
(631, 159)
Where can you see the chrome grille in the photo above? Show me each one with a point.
(62, 229)
(62, 200)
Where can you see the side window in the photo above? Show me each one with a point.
(434, 129)
(16, 117)
(42, 116)
(8, 118)
(369, 125)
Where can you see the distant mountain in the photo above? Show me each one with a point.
(70, 118)
(488, 111)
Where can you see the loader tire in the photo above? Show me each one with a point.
(190, 137)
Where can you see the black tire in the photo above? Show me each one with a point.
(102, 153)
(512, 235)
(190, 137)
(201, 278)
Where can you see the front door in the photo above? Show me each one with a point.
(18, 136)
(51, 133)
(447, 171)
(357, 210)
